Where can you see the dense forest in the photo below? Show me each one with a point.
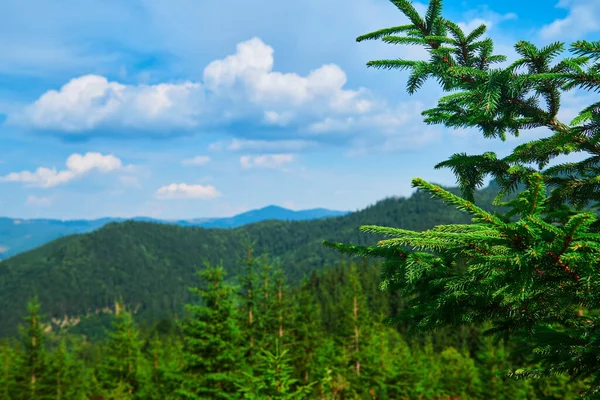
(449, 299)
(151, 265)
(265, 339)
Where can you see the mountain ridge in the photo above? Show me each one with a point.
(152, 264)
(20, 234)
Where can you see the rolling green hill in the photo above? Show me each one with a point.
(152, 264)
(19, 235)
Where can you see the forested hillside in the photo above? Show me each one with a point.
(20, 235)
(322, 339)
(151, 264)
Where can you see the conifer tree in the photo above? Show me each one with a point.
(248, 302)
(165, 356)
(493, 358)
(306, 332)
(331, 370)
(121, 369)
(400, 368)
(7, 373)
(460, 376)
(532, 271)
(66, 373)
(273, 378)
(363, 352)
(267, 329)
(31, 365)
(281, 301)
(212, 349)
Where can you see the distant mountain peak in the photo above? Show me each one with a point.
(16, 233)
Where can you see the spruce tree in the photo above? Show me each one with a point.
(211, 336)
(267, 329)
(306, 332)
(331, 370)
(362, 351)
(121, 368)
(400, 367)
(281, 301)
(7, 373)
(164, 377)
(460, 376)
(532, 271)
(248, 303)
(66, 373)
(31, 365)
(273, 378)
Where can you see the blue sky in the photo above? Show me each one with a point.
(183, 109)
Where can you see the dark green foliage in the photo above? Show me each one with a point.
(304, 331)
(31, 361)
(530, 273)
(273, 378)
(121, 369)
(248, 305)
(7, 371)
(211, 335)
(317, 358)
(150, 265)
(66, 373)
(165, 357)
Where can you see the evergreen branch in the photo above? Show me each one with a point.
(586, 49)
(384, 32)
(407, 9)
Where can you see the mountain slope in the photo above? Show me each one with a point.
(269, 213)
(19, 235)
(152, 264)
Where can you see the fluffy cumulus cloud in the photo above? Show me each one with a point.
(240, 88)
(198, 160)
(77, 165)
(266, 160)
(250, 71)
(583, 17)
(185, 191)
(91, 102)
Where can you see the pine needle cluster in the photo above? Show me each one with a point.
(533, 271)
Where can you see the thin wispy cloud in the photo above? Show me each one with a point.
(266, 160)
(186, 191)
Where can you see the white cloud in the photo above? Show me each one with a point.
(583, 18)
(262, 145)
(388, 122)
(38, 201)
(250, 70)
(77, 166)
(484, 16)
(275, 118)
(185, 191)
(198, 160)
(266, 160)
(90, 102)
(242, 87)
